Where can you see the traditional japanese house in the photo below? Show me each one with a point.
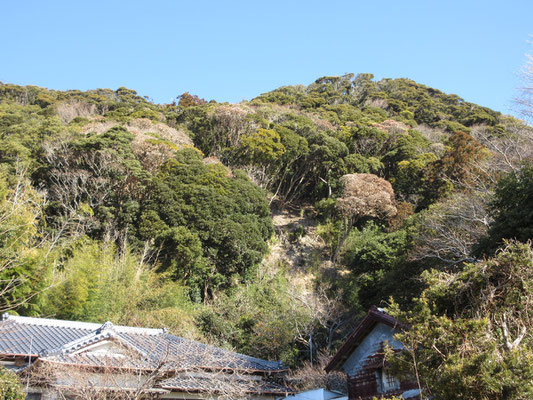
(79, 360)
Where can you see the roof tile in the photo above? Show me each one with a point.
(33, 336)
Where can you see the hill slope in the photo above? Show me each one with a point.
(174, 202)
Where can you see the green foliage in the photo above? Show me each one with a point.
(512, 206)
(377, 262)
(261, 318)
(371, 249)
(331, 232)
(121, 105)
(182, 252)
(98, 283)
(401, 97)
(356, 163)
(410, 174)
(261, 147)
(22, 129)
(469, 334)
(335, 127)
(210, 228)
(10, 386)
(199, 121)
(22, 250)
(203, 226)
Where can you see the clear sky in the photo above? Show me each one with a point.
(235, 50)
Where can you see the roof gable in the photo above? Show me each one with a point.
(103, 340)
(374, 317)
(370, 352)
(105, 347)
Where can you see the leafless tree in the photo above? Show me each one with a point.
(311, 376)
(508, 151)
(525, 100)
(80, 182)
(67, 111)
(230, 122)
(326, 310)
(450, 229)
(260, 175)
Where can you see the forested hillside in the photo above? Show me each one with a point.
(383, 192)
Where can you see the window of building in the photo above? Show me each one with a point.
(386, 381)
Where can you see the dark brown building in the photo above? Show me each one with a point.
(362, 359)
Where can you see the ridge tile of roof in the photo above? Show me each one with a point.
(91, 326)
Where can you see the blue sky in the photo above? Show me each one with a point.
(235, 50)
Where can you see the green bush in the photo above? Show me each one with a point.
(10, 387)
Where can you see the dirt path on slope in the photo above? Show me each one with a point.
(297, 244)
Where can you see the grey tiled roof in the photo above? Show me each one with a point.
(222, 384)
(20, 337)
(58, 341)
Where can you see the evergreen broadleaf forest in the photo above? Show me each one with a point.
(270, 226)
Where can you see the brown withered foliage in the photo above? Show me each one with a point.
(366, 195)
(67, 111)
(311, 376)
(404, 211)
(188, 100)
(392, 127)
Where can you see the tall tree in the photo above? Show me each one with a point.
(23, 249)
(525, 100)
(365, 195)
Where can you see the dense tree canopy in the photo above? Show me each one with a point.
(512, 206)
(107, 196)
(470, 334)
(209, 226)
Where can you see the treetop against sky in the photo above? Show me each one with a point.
(235, 50)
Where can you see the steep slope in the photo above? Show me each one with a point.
(230, 210)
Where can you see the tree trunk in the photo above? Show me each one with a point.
(339, 246)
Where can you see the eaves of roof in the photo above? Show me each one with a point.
(196, 385)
